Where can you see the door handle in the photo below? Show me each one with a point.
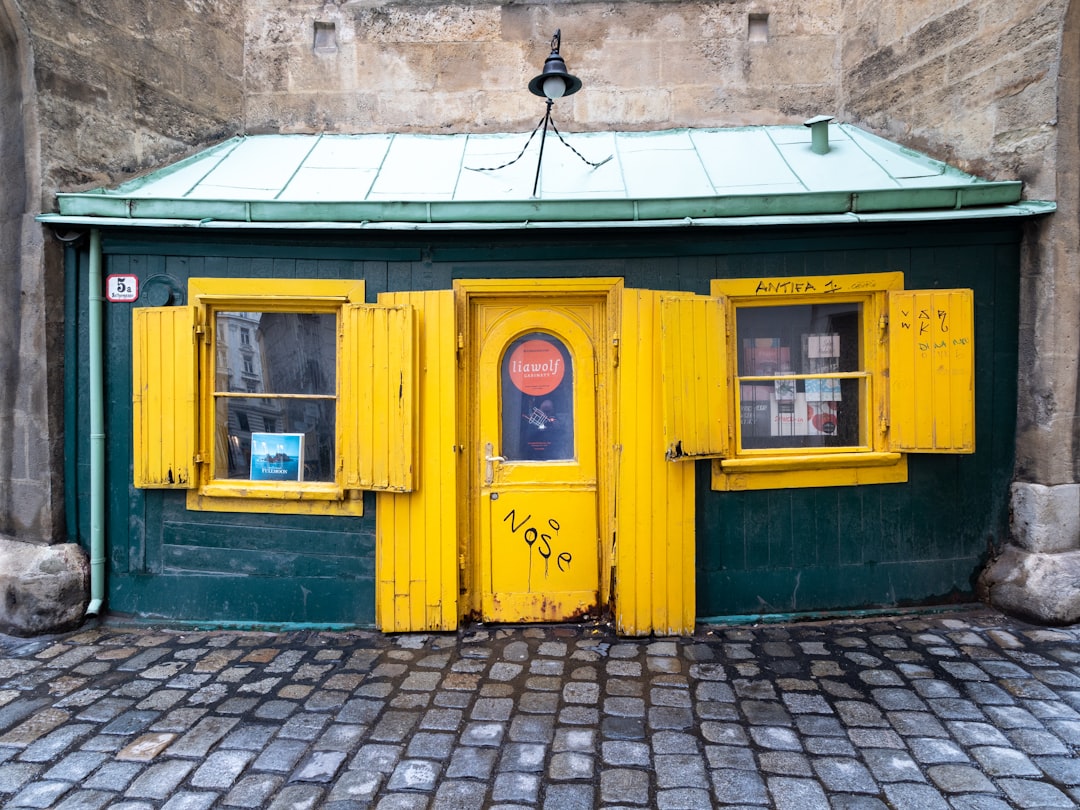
(489, 464)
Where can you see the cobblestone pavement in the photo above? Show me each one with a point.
(966, 710)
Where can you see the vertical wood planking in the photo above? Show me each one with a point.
(632, 589)
(655, 521)
(416, 533)
(163, 396)
(440, 362)
(932, 371)
(377, 381)
(693, 375)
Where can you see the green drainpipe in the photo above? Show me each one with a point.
(97, 432)
(71, 388)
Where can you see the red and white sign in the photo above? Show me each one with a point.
(537, 367)
(121, 288)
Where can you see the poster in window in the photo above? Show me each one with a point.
(821, 418)
(755, 407)
(763, 357)
(277, 456)
(823, 389)
(537, 399)
(789, 417)
(821, 353)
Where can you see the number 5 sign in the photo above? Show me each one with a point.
(122, 288)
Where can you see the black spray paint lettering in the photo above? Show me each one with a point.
(541, 541)
(793, 287)
(925, 318)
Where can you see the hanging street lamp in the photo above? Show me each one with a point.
(553, 82)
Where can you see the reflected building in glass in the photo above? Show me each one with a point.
(289, 359)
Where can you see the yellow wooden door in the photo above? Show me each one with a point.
(535, 454)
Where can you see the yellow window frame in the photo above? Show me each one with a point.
(174, 395)
(873, 461)
(212, 295)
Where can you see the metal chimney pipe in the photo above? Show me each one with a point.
(819, 134)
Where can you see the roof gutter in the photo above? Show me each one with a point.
(949, 197)
(1023, 208)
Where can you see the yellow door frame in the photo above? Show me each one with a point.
(468, 294)
(554, 574)
(428, 575)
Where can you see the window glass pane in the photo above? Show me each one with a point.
(288, 359)
(809, 339)
(277, 352)
(240, 419)
(537, 399)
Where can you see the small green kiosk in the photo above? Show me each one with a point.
(365, 380)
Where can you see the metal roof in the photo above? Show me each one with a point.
(741, 175)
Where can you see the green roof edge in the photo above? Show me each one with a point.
(585, 210)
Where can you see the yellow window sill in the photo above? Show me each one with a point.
(303, 499)
(807, 461)
(819, 470)
(289, 491)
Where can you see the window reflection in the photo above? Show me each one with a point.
(537, 399)
(816, 411)
(276, 381)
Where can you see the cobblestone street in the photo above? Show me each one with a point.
(964, 710)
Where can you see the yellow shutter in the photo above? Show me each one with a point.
(377, 394)
(416, 542)
(931, 371)
(654, 500)
(695, 376)
(163, 396)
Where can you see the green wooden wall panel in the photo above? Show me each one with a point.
(326, 541)
(855, 545)
(953, 507)
(151, 535)
(896, 530)
(816, 549)
(806, 535)
(248, 601)
(782, 535)
(180, 559)
(826, 532)
(815, 589)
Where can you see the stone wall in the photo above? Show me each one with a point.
(456, 67)
(992, 88)
(973, 82)
(129, 85)
(30, 439)
(90, 93)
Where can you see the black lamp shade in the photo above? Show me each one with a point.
(554, 66)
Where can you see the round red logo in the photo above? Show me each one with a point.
(536, 367)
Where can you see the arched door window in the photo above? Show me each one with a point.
(537, 399)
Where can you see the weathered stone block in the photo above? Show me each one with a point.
(43, 589)
(442, 23)
(645, 108)
(1046, 519)
(636, 64)
(793, 61)
(1043, 588)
